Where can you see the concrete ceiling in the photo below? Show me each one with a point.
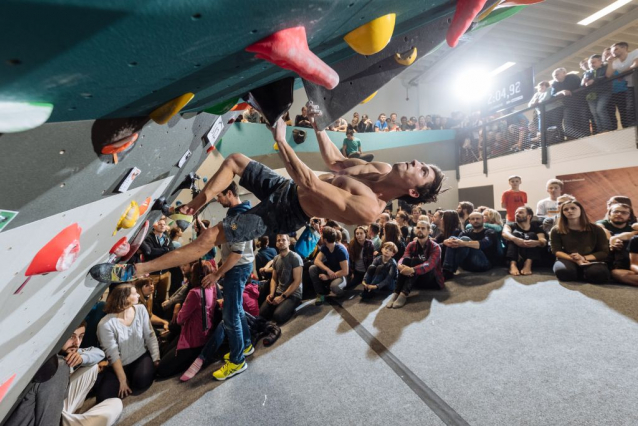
(544, 36)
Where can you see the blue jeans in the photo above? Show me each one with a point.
(472, 260)
(213, 343)
(598, 108)
(233, 312)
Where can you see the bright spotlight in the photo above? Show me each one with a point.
(472, 85)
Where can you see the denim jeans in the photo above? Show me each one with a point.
(472, 260)
(598, 108)
(214, 342)
(233, 312)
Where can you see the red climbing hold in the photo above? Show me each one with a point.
(5, 386)
(466, 11)
(58, 254)
(289, 49)
(136, 242)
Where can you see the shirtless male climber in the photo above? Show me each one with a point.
(356, 192)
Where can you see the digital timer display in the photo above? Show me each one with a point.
(511, 90)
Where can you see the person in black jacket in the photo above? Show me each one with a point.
(576, 112)
(157, 244)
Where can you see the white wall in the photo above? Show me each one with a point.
(612, 150)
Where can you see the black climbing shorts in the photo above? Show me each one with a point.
(278, 212)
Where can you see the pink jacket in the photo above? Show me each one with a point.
(190, 318)
(251, 296)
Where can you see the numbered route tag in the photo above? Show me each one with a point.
(126, 183)
(213, 134)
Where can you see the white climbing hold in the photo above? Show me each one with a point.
(21, 116)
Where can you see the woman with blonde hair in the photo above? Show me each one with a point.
(129, 342)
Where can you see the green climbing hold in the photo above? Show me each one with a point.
(497, 16)
(21, 116)
(222, 107)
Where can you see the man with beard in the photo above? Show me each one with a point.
(54, 401)
(618, 227)
(525, 241)
(474, 250)
(421, 263)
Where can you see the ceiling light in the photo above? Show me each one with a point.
(604, 11)
(503, 67)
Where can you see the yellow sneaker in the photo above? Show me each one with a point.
(247, 352)
(229, 370)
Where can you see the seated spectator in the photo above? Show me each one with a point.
(624, 60)
(548, 207)
(580, 247)
(382, 220)
(330, 269)
(195, 327)
(420, 264)
(475, 250)
(618, 228)
(345, 235)
(365, 125)
(200, 226)
(403, 220)
(56, 401)
(416, 213)
(525, 241)
(373, 235)
(354, 123)
(264, 255)
(464, 209)
(598, 98)
(382, 274)
(422, 124)
(339, 125)
(449, 225)
(157, 244)
(303, 120)
(574, 106)
(287, 119)
(549, 222)
(392, 234)
(130, 344)
(437, 123)
(381, 125)
(361, 254)
(352, 148)
(405, 126)
(412, 123)
(285, 284)
(172, 305)
(145, 288)
(174, 235)
(630, 275)
(252, 116)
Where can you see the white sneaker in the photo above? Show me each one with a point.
(392, 299)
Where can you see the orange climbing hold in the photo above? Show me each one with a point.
(289, 49)
(466, 11)
(240, 107)
(5, 386)
(144, 205)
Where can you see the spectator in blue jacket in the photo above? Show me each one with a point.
(383, 273)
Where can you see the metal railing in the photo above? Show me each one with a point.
(607, 105)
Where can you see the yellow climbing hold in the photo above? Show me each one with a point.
(275, 147)
(164, 113)
(368, 98)
(488, 11)
(372, 37)
(406, 59)
(128, 218)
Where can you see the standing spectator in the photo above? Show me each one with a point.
(130, 344)
(580, 247)
(548, 207)
(381, 125)
(365, 125)
(422, 124)
(352, 148)
(421, 263)
(513, 198)
(618, 89)
(524, 242)
(598, 99)
(624, 61)
(361, 254)
(574, 113)
(303, 120)
(285, 284)
(330, 269)
(382, 274)
(174, 235)
(157, 244)
(195, 327)
(553, 111)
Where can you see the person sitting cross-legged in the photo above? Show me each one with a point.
(331, 266)
(285, 284)
(620, 226)
(525, 241)
(382, 274)
(475, 250)
(580, 247)
(421, 263)
(352, 148)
